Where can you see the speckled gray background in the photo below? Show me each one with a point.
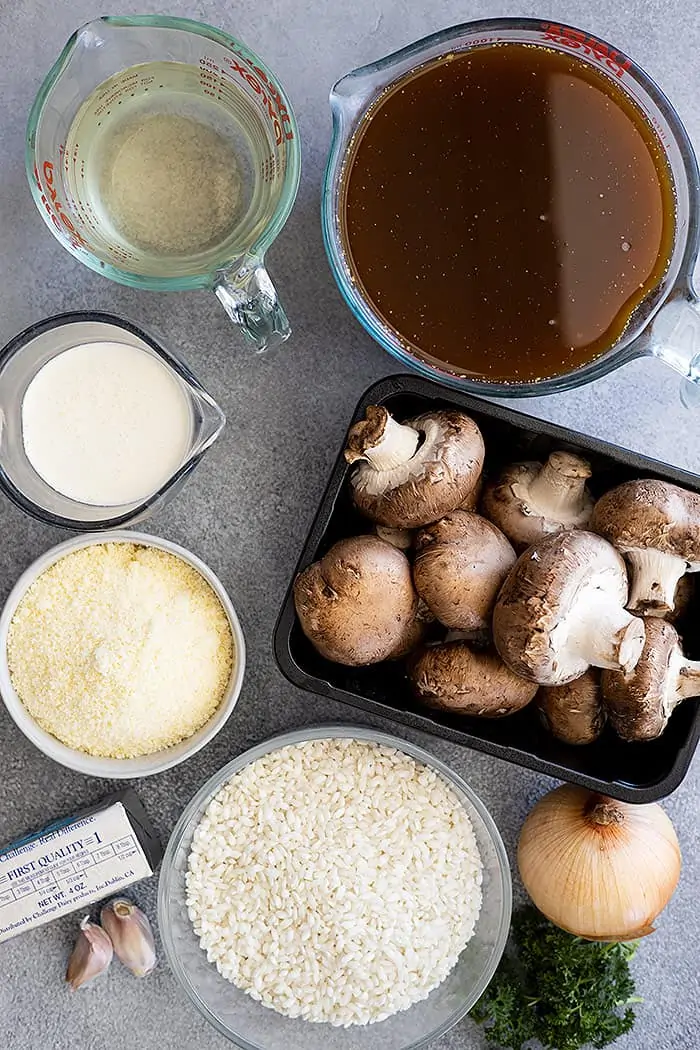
(247, 509)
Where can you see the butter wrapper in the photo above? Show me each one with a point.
(75, 862)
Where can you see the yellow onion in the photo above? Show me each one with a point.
(596, 867)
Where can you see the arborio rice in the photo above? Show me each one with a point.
(335, 880)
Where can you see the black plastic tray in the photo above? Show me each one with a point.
(637, 773)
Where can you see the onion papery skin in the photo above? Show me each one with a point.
(598, 868)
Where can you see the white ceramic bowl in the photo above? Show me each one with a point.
(117, 768)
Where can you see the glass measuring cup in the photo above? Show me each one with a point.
(21, 360)
(198, 66)
(666, 324)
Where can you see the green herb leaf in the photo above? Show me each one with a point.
(563, 991)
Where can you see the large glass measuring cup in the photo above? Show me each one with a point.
(666, 324)
(155, 62)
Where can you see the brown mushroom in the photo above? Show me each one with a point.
(532, 500)
(460, 563)
(415, 633)
(410, 474)
(573, 713)
(682, 599)
(454, 677)
(474, 498)
(640, 703)
(562, 610)
(656, 526)
(401, 538)
(357, 603)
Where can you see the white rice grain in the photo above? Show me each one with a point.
(335, 880)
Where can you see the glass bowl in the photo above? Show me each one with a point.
(252, 1026)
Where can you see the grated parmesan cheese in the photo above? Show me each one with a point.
(120, 650)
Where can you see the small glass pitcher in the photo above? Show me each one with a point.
(22, 359)
(202, 63)
(665, 325)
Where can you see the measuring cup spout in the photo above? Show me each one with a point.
(249, 298)
(675, 340)
(350, 95)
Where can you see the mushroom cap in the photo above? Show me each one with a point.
(683, 599)
(356, 604)
(474, 498)
(574, 712)
(454, 677)
(415, 633)
(539, 593)
(441, 474)
(460, 563)
(650, 514)
(637, 702)
(506, 500)
(401, 538)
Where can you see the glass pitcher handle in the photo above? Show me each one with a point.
(249, 298)
(675, 340)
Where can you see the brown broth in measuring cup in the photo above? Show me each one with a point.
(504, 210)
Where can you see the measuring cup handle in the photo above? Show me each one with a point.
(249, 298)
(675, 340)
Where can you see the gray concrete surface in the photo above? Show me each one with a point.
(247, 509)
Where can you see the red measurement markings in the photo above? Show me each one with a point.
(53, 206)
(269, 95)
(577, 40)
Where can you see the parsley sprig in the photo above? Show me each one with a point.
(558, 989)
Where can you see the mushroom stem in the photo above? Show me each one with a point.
(655, 576)
(559, 490)
(381, 441)
(606, 635)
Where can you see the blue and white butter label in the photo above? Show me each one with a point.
(66, 867)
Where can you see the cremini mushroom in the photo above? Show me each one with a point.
(562, 610)
(401, 538)
(573, 713)
(640, 703)
(415, 633)
(408, 475)
(358, 602)
(682, 599)
(656, 526)
(532, 500)
(459, 566)
(454, 677)
(474, 498)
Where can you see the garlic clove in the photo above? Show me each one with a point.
(131, 935)
(91, 955)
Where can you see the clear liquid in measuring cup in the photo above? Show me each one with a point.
(160, 168)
